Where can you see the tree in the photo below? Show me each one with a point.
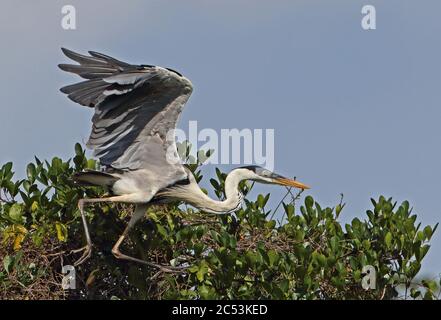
(306, 254)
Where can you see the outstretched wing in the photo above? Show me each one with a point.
(136, 106)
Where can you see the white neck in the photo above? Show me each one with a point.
(196, 197)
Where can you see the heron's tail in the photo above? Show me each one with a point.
(94, 178)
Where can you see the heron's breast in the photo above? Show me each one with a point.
(127, 185)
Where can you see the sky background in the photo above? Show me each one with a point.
(355, 112)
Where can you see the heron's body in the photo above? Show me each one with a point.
(132, 183)
(136, 109)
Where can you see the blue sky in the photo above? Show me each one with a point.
(354, 111)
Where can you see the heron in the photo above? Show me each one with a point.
(135, 108)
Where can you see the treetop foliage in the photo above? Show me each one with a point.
(306, 254)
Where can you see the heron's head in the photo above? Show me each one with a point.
(263, 175)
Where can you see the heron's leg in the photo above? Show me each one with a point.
(88, 247)
(137, 215)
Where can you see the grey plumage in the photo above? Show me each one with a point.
(136, 108)
(94, 178)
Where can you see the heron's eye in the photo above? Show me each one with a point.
(266, 173)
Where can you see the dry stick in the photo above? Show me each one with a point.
(294, 198)
(384, 292)
(56, 254)
(278, 205)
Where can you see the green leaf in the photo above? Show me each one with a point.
(366, 244)
(284, 285)
(273, 257)
(203, 270)
(388, 240)
(420, 236)
(289, 210)
(430, 284)
(162, 230)
(232, 242)
(91, 164)
(193, 269)
(215, 184)
(428, 232)
(31, 172)
(61, 231)
(8, 261)
(423, 251)
(207, 292)
(414, 293)
(16, 212)
(416, 249)
(357, 275)
(78, 149)
(338, 209)
(270, 224)
(7, 168)
(309, 202)
(260, 201)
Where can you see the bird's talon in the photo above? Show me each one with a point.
(78, 250)
(86, 254)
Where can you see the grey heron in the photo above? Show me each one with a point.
(135, 107)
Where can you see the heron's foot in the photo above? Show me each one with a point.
(168, 269)
(86, 254)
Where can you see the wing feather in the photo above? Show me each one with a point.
(135, 108)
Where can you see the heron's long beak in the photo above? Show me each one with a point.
(290, 183)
